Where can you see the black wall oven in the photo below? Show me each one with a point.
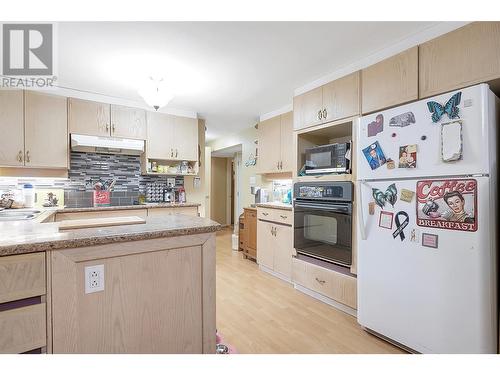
(323, 221)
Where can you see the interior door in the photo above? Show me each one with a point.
(269, 145)
(127, 122)
(46, 130)
(11, 128)
(433, 290)
(412, 124)
(89, 118)
(160, 142)
(265, 244)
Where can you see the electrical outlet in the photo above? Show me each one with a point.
(94, 278)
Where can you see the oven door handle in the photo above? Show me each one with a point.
(331, 207)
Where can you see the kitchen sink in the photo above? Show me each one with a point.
(15, 214)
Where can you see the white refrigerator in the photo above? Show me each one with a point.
(426, 205)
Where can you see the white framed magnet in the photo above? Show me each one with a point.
(451, 141)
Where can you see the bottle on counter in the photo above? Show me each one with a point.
(28, 195)
(182, 195)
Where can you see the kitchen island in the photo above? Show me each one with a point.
(140, 288)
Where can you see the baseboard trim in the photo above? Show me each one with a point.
(275, 274)
(327, 300)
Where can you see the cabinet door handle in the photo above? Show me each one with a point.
(319, 114)
(107, 127)
(172, 152)
(113, 127)
(320, 281)
(28, 156)
(325, 113)
(281, 165)
(20, 156)
(176, 152)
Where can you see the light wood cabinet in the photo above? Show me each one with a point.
(390, 82)
(461, 58)
(108, 120)
(269, 145)
(275, 242)
(250, 233)
(341, 98)
(337, 286)
(307, 109)
(160, 297)
(22, 276)
(171, 137)
(11, 128)
(333, 101)
(127, 122)
(265, 240)
(88, 117)
(276, 144)
(46, 131)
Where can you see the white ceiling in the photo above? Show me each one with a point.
(230, 73)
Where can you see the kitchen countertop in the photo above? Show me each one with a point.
(275, 205)
(29, 236)
(129, 207)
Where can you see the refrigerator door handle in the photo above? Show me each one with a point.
(359, 206)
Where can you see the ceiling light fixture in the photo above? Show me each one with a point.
(156, 93)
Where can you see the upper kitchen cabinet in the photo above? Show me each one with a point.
(390, 82)
(11, 128)
(171, 137)
(276, 144)
(46, 130)
(89, 118)
(102, 119)
(461, 58)
(127, 122)
(335, 100)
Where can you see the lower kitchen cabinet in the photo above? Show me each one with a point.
(23, 313)
(334, 285)
(275, 246)
(250, 233)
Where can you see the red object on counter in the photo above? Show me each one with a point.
(102, 198)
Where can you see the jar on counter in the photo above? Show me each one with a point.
(28, 195)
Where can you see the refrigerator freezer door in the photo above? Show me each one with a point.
(438, 298)
(412, 124)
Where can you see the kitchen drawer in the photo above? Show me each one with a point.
(193, 211)
(142, 213)
(162, 211)
(23, 329)
(337, 286)
(22, 276)
(275, 215)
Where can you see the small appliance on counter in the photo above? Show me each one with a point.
(331, 158)
(261, 195)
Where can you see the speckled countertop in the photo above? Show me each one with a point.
(28, 236)
(131, 207)
(275, 205)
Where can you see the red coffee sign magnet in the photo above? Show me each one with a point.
(447, 204)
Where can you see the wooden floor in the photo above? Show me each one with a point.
(258, 313)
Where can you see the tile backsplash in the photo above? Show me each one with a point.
(84, 167)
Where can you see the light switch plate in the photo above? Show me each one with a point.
(94, 278)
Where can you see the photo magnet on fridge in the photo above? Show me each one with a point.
(374, 155)
(406, 195)
(447, 204)
(408, 156)
(390, 164)
(385, 219)
(430, 240)
(376, 126)
(402, 120)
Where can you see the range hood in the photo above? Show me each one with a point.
(106, 145)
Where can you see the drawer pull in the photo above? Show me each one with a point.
(320, 281)
(265, 213)
(283, 216)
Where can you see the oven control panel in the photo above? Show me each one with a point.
(323, 190)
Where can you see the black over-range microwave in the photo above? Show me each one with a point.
(331, 158)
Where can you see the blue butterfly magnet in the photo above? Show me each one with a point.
(450, 108)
